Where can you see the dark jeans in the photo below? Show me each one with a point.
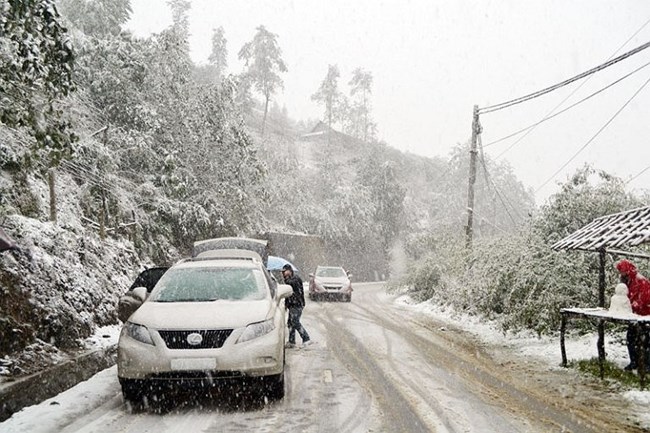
(294, 325)
(632, 334)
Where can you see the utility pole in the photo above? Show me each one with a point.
(476, 130)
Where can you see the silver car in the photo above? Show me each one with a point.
(330, 282)
(215, 317)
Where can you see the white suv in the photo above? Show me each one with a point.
(217, 316)
(330, 282)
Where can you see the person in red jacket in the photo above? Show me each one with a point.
(638, 292)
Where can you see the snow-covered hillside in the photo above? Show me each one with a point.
(61, 285)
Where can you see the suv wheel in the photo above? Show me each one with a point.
(133, 393)
(274, 386)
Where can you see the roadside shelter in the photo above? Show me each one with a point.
(614, 234)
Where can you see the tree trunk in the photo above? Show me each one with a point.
(52, 184)
(266, 109)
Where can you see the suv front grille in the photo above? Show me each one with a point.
(212, 338)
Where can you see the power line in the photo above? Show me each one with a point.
(486, 220)
(498, 193)
(532, 128)
(551, 116)
(496, 190)
(595, 135)
(538, 93)
(637, 175)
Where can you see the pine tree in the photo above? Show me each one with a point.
(264, 64)
(219, 55)
(329, 95)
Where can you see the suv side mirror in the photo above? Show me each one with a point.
(284, 291)
(130, 302)
(140, 293)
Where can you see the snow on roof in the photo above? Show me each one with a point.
(624, 229)
(312, 134)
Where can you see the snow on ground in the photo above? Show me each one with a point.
(60, 410)
(71, 404)
(76, 401)
(545, 349)
(103, 337)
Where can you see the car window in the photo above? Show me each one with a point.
(210, 284)
(330, 272)
(148, 278)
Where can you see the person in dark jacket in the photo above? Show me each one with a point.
(295, 304)
(639, 295)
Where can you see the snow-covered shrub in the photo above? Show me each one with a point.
(425, 279)
(517, 278)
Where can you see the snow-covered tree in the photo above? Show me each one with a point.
(219, 54)
(585, 196)
(328, 95)
(359, 122)
(97, 18)
(387, 195)
(36, 61)
(263, 59)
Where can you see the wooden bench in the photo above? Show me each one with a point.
(602, 315)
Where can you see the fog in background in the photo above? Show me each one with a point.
(433, 60)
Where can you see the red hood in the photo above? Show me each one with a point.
(626, 267)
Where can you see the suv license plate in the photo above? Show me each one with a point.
(194, 364)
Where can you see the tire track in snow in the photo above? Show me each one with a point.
(398, 414)
(477, 370)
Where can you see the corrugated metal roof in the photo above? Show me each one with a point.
(623, 229)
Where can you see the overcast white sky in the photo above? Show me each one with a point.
(432, 60)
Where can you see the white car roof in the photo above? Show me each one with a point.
(223, 258)
(230, 254)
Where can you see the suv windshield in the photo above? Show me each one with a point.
(210, 284)
(330, 272)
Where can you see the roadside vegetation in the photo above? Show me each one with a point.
(515, 278)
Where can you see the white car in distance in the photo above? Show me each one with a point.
(330, 282)
(210, 319)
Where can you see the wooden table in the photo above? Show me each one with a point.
(602, 315)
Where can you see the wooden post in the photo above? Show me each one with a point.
(52, 182)
(472, 180)
(640, 351)
(601, 303)
(562, 346)
(601, 278)
(601, 348)
(102, 218)
(133, 233)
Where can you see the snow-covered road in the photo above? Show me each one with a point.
(376, 366)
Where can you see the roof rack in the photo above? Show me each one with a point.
(228, 255)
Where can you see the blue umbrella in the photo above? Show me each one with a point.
(276, 264)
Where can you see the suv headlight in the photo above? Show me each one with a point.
(138, 332)
(255, 330)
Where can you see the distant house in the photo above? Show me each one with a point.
(319, 130)
(322, 130)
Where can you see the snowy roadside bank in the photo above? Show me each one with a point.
(545, 349)
(100, 353)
